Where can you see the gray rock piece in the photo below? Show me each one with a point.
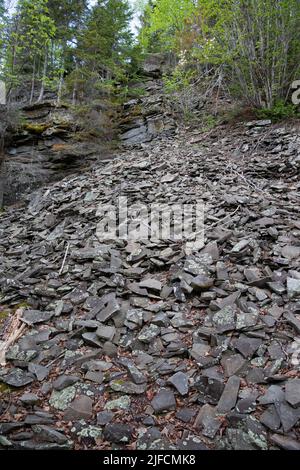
(229, 396)
(17, 378)
(207, 421)
(118, 433)
(64, 381)
(292, 392)
(80, 408)
(164, 400)
(180, 382)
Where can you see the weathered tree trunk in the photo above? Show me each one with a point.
(32, 82)
(2, 136)
(1, 182)
(40, 98)
(74, 94)
(60, 85)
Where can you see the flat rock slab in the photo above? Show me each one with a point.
(118, 433)
(61, 399)
(285, 442)
(293, 288)
(192, 443)
(41, 372)
(104, 417)
(289, 416)
(270, 418)
(32, 317)
(292, 392)
(29, 399)
(33, 445)
(151, 284)
(210, 389)
(246, 405)
(202, 282)
(207, 421)
(233, 365)
(225, 319)
(186, 414)
(17, 378)
(180, 382)
(65, 381)
(45, 433)
(136, 375)
(274, 394)
(148, 333)
(240, 246)
(168, 178)
(106, 333)
(39, 417)
(163, 401)
(229, 396)
(293, 320)
(80, 408)
(92, 339)
(108, 312)
(96, 377)
(122, 403)
(124, 386)
(247, 346)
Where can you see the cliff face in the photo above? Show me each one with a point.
(146, 118)
(149, 117)
(52, 143)
(44, 149)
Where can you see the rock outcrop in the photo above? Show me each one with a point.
(45, 150)
(156, 65)
(147, 118)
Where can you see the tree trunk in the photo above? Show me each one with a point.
(74, 95)
(1, 182)
(3, 126)
(32, 82)
(40, 98)
(60, 85)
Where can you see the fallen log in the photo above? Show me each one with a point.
(14, 332)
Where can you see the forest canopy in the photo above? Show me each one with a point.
(78, 48)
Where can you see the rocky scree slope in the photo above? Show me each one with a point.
(141, 345)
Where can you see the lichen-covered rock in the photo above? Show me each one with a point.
(122, 403)
(61, 399)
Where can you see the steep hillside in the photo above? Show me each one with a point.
(141, 343)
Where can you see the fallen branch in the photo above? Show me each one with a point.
(224, 218)
(250, 184)
(64, 260)
(55, 359)
(201, 137)
(16, 328)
